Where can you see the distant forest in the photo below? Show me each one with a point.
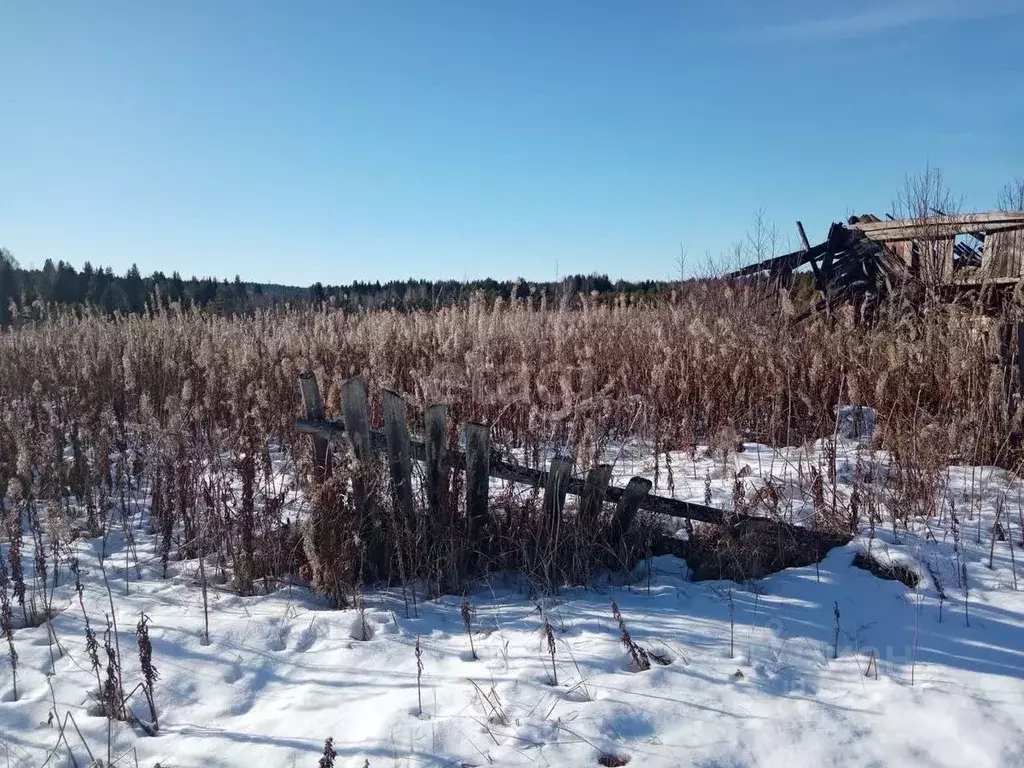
(101, 288)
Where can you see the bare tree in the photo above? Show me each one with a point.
(762, 240)
(925, 195)
(681, 263)
(1011, 197)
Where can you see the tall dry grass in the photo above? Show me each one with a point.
(180, 408)
(714, 360)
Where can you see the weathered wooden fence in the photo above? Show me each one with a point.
(477, 460)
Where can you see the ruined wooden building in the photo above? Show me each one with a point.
(868, 258)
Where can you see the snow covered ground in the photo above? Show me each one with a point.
(756, 674)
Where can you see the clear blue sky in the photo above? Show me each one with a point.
(303, 141)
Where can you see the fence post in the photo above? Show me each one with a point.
(314, 405)
(555, 490)
(629, 503)
(594, 491)
(356, 413)
(399, 461)
(478, 467)
(436, 420)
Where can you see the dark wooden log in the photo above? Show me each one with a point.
(396, 434)
(436, 460)
(478, 474)
(629, 503)
(555, 489)
(595, 491)
(314, 405)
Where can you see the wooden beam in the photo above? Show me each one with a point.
(964, 219)
(778, 263)
(803, 236)
(940, 227)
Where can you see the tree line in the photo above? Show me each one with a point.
(101, 288)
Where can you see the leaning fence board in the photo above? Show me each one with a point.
(397, 437)
(516, 473)
(314, 405)
(630, 501)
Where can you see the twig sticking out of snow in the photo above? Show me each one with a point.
(963, 573)
(419, 675)
(641, 660)
(149, 671)
(938, 587)
(835, 646)
(467, 622)
(872, 665)
(550, 635)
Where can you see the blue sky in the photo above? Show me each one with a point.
(333, 141)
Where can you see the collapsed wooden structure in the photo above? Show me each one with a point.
(868, 258)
